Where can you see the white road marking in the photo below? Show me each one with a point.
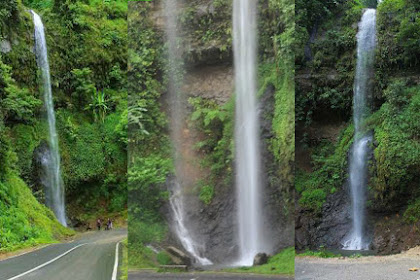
(115, 272)
(47, 263)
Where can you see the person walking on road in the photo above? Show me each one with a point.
(99, 224)
(109, 224)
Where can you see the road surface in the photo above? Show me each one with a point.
(90, 257)
(199, 276)
(365, 268)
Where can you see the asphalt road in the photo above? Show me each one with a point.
(92, 258)
(198, 276)
(366, 268)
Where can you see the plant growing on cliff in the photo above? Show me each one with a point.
(206, 194)
(330, 164)
(8, 9)
(99, 106)
(397, 155)
(16, 104)
(216, 122)
(82, 87)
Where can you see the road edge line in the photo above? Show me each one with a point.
(115, 271)
(30, 250)
(47, 263)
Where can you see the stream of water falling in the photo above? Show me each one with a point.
(247, 155)
(177, 118)
(54, 187)
(177, 206)
(366, 43)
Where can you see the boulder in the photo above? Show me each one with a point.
(178, 257)
(260, 259)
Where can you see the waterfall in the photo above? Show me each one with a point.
(247, 149)
(177, 119)
(177, 207)
(366, 43)
(54, 187)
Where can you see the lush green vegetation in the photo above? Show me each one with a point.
(149, 149)
(397, 162)
(395, 167)
(330, 171)
(87, 53)
(325, 97)
(24, 221)
(329, 57)
(216, 122)
(281, 263)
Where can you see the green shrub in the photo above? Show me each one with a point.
(206, 194)
(163, 258)
(216, 122)
(397, 155)
(412, 213)
(330, 172)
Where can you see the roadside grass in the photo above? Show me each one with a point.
(322, 253)
(140, 234)
(124, 264)
(142, 257)
(283, 263)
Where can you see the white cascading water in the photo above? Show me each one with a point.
(177, 206)
(247, 149)
(177, 199)
(366, 43)
(54, 187)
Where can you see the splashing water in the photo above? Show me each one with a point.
(54, 187)
(177, 205)
(247, 157)
(366, 43)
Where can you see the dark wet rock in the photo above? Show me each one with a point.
(327, 229)
(260, 259)
(388, 232)
(393, 235)
(40, 155)
(214, 226)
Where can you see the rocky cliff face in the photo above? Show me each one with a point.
(328, 229)
(209, 74)
(325, 88)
